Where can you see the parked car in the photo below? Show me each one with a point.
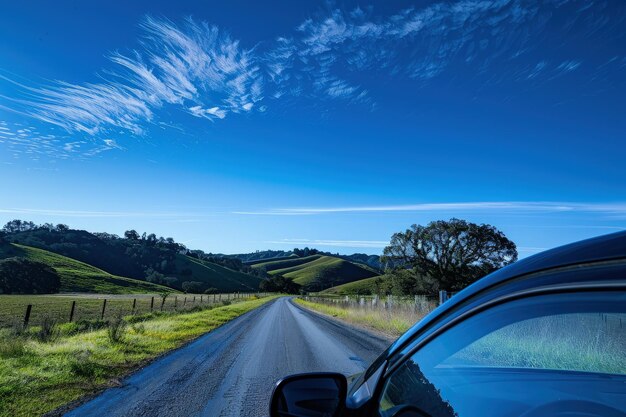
(545, 336)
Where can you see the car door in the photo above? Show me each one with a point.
(556, 350)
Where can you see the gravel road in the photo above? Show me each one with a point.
(231, 371)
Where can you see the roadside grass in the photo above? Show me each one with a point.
(37, 377)
(390, 322)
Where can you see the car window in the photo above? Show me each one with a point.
(543, 355)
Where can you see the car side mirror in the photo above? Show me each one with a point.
(309, 395)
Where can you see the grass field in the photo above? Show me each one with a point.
(392, 322)
(78, 276)
(326, 269)
(89, 306)
(361, 287)
(37, 377)
(216, 276)
(261, 261)
(317, 271)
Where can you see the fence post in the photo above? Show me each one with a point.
(184, 302)
(72, 310)
(27, 315)
(175, 302)
(162, 302)
(134, 305)
(104, 306)
(201, 299)
(443, 297)
(194, 300)
(152, 304)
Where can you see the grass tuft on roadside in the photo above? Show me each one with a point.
(39, 376)
(387, 322)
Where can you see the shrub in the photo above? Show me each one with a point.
(138, 328)
(116, 329)
(193, 287)
(83, 366)
(16, 327)
(48, 329)
(12, 347)
(226, 302)
(86, 325)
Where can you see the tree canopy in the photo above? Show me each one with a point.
(279, 283)
(24, 276)
(452, 254)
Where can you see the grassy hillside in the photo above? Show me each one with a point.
(263, 261)
(363, 286)
(77, 276)
(215, 276)
(284, 263)
(318, 272)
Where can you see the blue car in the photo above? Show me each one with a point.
(545, 336)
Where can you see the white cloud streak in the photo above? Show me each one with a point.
(462, 207)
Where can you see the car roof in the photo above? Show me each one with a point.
(603, 248)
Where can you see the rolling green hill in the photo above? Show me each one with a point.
(317, 272)
(215, 276)
(361, 287)
(291, 262)
(262, 261)
(78, 276)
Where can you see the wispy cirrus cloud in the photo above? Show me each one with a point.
(461, 207)
(25, 140)
(198, 69)
(194, 66)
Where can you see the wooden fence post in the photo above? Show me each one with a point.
(72, 310)
(27, 315)
(152, 304)
(175, 302)
(162, 303)
(184, 302)
(104, 306)
(134, 305)
(443, 296)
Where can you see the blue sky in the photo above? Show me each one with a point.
(235, 126)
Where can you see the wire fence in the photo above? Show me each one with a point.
(418, 305)
(421, 304)
(27, 310)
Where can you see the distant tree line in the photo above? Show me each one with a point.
(267, 255)
(144, 256)
(279, 283)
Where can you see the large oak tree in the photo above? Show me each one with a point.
(452, 254)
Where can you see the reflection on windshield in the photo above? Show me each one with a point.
(410, 386)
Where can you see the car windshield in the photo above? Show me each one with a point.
(521, 355)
